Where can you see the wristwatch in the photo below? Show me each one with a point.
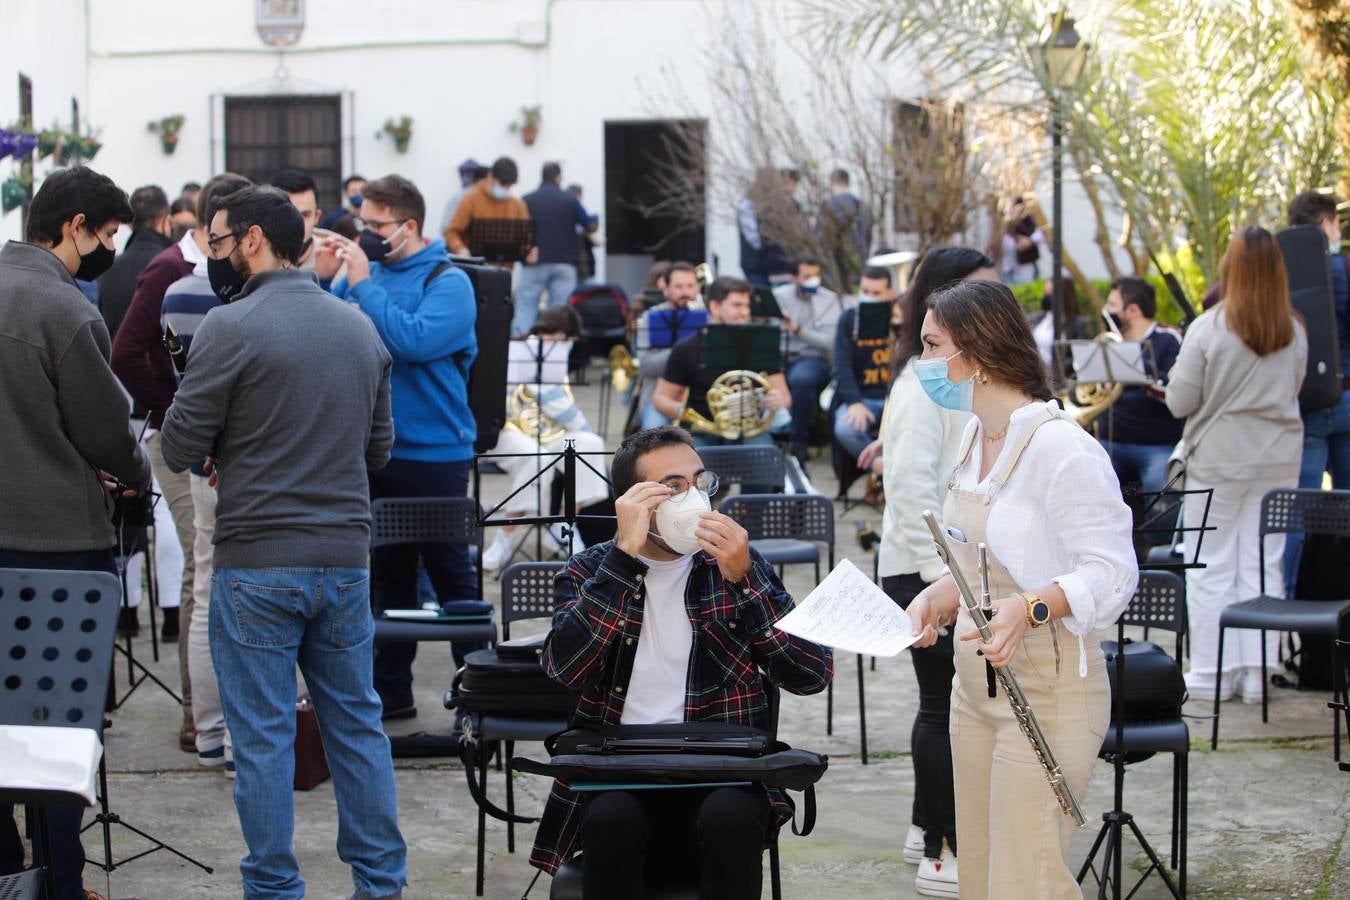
(1038, 611)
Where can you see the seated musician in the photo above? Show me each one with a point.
(1139, 431)
(680, 290)
(670, 622)
(810, 317)
(561, 417)
(862, 368)
(688, 376)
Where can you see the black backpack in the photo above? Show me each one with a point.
(509, 679)
(1154, 688)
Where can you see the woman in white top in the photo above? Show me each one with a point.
(1236, 381)
(920, 440)
(1041, 494)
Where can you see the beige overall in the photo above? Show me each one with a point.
(1012, 837)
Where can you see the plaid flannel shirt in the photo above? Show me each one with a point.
(599, 596)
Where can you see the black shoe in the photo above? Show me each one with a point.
(399, 707)
(128, 621)
(168, 632)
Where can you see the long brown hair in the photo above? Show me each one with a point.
(987, 326)
(1256, 291)
(939, 268)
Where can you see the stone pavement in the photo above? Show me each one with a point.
(1268, 812)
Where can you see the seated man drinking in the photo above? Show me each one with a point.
(670, 622)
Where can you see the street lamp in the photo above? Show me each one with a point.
(1064, 54)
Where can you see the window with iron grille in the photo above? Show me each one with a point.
(266, 134)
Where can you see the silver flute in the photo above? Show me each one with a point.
(1026, 719)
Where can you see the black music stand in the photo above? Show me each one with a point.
(501, 241)
(754, 347)
(134, 519)
(1115, 821)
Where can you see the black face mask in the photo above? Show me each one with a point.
(226, 280)
(1115, 317)
(95, 263)
(376, 248)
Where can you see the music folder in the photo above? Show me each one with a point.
(753, 347)
(666, 326)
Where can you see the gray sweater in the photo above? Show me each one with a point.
(1260, 434)
(63, 414)
(288, 388)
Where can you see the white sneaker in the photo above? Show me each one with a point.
(1249, 684)
(937, 877)
(1200, 686)
(499, 551)
(914, 845)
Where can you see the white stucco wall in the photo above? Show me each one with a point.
(461, 68)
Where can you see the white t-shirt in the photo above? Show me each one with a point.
(661, 667)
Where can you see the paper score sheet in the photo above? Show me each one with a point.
(849, 612)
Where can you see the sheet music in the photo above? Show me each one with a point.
(523, 361)
(849, 612)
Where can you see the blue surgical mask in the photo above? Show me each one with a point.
(500, 192)
(940, 388)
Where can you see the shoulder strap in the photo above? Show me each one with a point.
(1005, 470)
(435, 273)
(808, 813)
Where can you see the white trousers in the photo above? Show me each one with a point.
(207, 716)
(591, 486)
(168, 560)
(1232, 571)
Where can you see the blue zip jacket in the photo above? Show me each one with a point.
(429, 331)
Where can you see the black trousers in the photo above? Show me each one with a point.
(63, 822)
(717, 834)
(930, 740)
(394, 569)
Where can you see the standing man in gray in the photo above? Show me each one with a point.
(288, 392)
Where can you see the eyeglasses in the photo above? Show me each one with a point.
(213, 243)
(704, 481)
(375, 224)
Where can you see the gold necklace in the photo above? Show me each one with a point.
(998, 436)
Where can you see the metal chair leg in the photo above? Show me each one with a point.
(829, 707)
(1176, 796)
(510, 800)
(775, 879)
(1218, 683)
(482, 820)
(1181, 817)
(1265, 702)
(862, 710)
(1339, 699)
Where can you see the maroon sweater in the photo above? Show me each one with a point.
(138, 355)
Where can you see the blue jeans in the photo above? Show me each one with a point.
(650, 417)
(559, 279)
(850, 438)
(264, 622)
(806, 378)
(1326, 447)
(1144, 464)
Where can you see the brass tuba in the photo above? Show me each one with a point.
(623, 369)
(524, 415)
(1087, 402)
(736, 401)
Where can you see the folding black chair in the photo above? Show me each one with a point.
(1286, 510)
(752, 464)
(55, 663)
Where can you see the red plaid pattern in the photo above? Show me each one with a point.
(594, 640)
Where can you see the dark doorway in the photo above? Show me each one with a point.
(655, 196)
(266, 134)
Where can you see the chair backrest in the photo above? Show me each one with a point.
(753, 464)
(56, 646)
(803, 517)
(527, 592)
(415, 520)
(1159, 601)
(1307, 510)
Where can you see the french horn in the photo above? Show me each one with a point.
(737, 403)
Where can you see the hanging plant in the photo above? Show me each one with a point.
(16, 142)
(400, 131)
(77, 148)
(167, 128)
(14, 190)
(528, 126)
(48, 142)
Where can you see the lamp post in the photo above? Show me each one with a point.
(1063, 54)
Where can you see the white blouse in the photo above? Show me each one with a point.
(1060, 518)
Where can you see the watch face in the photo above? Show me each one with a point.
(1040, 611)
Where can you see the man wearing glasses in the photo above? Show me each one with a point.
(670, 622)
(425, 311)
(289, 392)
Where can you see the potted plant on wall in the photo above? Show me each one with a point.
(400, 131)
(14, 189)
(528, 126)
(167, 128)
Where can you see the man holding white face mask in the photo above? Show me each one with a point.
(670, 622)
